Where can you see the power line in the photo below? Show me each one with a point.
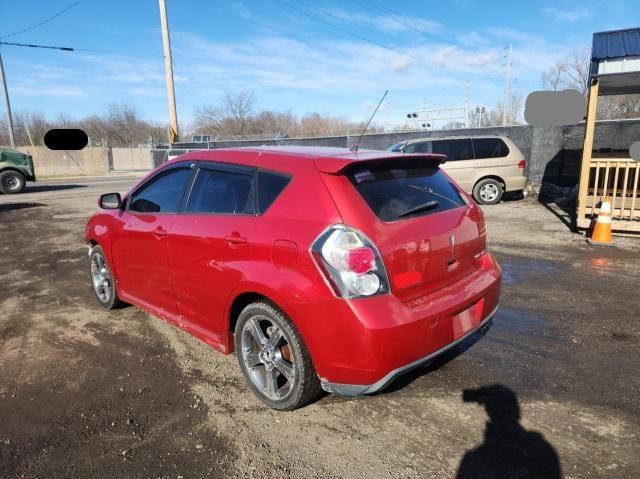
(398, 18)
(47, 20)
(381, 45)
(67, 49)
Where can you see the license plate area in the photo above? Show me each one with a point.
(467, 320)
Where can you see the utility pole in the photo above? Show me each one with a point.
(168, 66)
(507, 82)
(7, 105)
(466, 104)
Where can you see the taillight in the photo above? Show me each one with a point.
(522, 164)
(350, 262)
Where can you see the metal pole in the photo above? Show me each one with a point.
(168, 66)
(466, 104)
(7, 105)
(507, 81)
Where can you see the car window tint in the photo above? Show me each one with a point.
(392, 189)
(162, 194)
(490, 148)
(424, 147)
(217, 191)
(456, 150)
(396, 147)
(270, 185)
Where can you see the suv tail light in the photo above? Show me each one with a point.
(350, 262)
(521, 164)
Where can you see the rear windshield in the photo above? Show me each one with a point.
(399, 189)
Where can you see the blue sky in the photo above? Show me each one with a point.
(334, 57)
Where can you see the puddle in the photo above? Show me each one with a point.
(524, 322)
(516, 271)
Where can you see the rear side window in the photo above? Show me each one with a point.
(423, 147)
(456, 150)
(396, 147)
(490, 148)
(270, 185)
(163, 193)
(222, 192)
(399, 189)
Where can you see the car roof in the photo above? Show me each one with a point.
(454, 137)
(326, 159)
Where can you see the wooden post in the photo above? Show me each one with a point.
(586, 149)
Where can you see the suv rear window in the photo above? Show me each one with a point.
(399, 189)
(490, 148)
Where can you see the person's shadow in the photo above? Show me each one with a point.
(508, 450)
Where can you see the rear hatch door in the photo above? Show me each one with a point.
(428, 232)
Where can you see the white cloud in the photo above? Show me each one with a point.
(401, 63)
(241, 10)
(572, 15)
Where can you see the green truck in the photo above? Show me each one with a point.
(16, 169)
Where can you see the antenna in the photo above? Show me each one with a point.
(355, 146)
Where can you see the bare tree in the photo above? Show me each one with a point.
(239, 108)
(572, 72)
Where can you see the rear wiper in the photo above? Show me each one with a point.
(429, 205)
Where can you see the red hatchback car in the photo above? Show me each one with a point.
(320, 267)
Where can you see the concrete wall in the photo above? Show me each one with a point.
(553, 153)
(130, 159)
(88, 161)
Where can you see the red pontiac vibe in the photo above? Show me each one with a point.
(320, 267)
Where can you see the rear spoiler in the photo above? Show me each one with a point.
(337, 164)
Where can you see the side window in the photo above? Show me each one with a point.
(490, 148)
(424, 147)
(456, 150)
(270, 185)
(163, 193)
(216, 191)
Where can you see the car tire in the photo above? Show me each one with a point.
(273, 358)
(12, 182)
(488, 191)
(102, 282)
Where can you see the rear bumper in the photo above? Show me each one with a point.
(358, 346)
(358, 389)
(515, 183)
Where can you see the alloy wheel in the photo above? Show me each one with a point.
(100, 278)
(267, 357)
(489, 192)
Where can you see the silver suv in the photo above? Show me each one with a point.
(484, 166)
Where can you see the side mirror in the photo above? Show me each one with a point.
(110, 201)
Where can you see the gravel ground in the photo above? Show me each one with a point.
(86, 392)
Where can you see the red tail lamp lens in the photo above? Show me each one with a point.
(522, 164)
(361, 260)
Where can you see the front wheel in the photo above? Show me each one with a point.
(488, 191)
(274, 359)
(102, 281)
(12, 182)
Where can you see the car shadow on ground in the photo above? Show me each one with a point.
(19, 206)
(43, 188)
(508, 449)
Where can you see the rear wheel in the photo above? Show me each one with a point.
(488, 191)
(274, 359)
(12, 182)
(102, 281)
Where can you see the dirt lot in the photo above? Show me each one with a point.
(90, 393)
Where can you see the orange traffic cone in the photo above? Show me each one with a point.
(601, 235)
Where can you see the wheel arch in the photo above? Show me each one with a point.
(242, 297)
(13, 168)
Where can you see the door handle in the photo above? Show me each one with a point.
(159, 232)
(235, 239)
